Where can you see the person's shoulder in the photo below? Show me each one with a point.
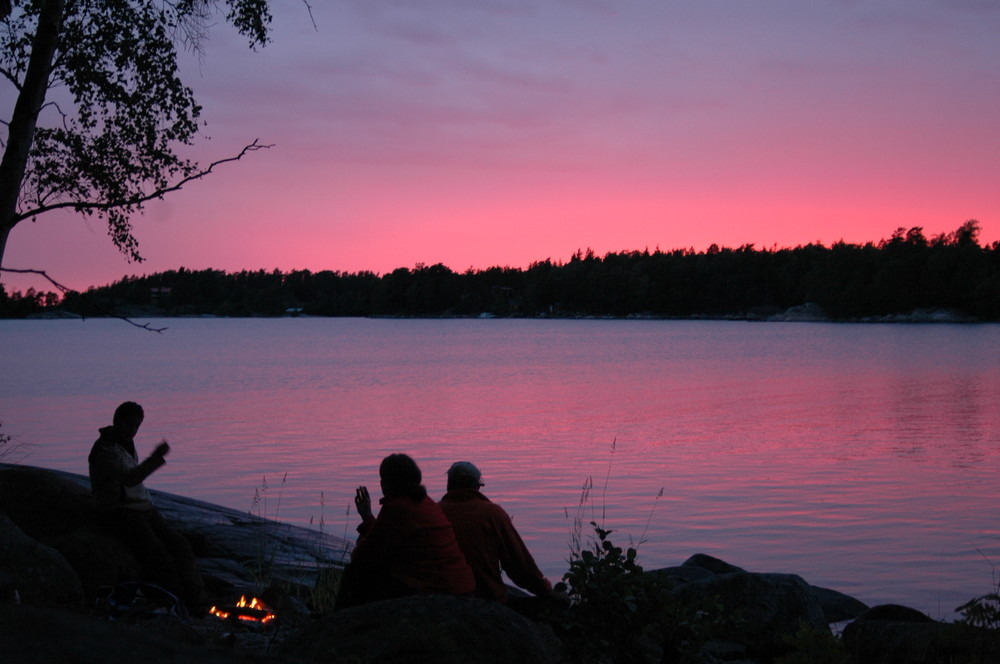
(483, 505)
(103, 452)
(104, 443)
(405, 505)
(497, 509)
(464, 496)
(429, 505)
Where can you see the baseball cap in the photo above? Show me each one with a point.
(466, 473)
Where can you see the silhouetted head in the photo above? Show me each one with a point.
(401, 477)
(464, 475)
(128, 417)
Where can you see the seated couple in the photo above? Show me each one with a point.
(416, 546)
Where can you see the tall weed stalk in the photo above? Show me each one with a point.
(323, 592)
(617, 613)
(317, 585)
(267, 551)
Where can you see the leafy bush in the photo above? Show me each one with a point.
(11, 450)
(981, 611)
(616, 608)
(619, 613)
(814, 646)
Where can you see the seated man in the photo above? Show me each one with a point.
(488, 538)
(126, 509)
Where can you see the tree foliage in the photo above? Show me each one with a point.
(101, 113)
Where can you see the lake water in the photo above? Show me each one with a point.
(863, 457)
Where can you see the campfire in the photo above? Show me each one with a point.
(255, 611)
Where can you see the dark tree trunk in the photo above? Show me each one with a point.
(21, 130)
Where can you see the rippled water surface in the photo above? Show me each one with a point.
(862, 457)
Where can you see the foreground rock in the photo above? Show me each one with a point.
(52, 554)
(834, 605)
(235, 550)
(35, 635)
(755, 614)
(414, 630)
(33, 572)
(892, 634)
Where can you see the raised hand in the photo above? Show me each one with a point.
(363, 503)
(162, 449)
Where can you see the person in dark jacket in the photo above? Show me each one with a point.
(126, 509)
(488, 538)
(410, 548)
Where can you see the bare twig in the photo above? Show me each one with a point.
(311, 17)
(139, 200)
(66, 290)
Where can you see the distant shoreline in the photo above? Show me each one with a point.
(908, 278)
(800, 314)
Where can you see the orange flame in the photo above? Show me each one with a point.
(263, 611)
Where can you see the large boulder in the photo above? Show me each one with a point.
(425, 628)
(836, 606)
(893, 634)
(60, 513)
(711, 564)
(98, 558)
(235, 549)
(758, 611)
(33, 573)
(43, 503)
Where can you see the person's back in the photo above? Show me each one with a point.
(409, 548)
(487, 537)
(413, 541)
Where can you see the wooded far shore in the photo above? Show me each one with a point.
(908, 277)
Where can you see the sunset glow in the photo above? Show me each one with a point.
(480, 134)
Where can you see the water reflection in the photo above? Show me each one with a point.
(861, 457)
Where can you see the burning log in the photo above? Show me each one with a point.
(253, 612)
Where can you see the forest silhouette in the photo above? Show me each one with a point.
(906, 273)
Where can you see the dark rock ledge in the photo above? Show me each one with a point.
(53, 558)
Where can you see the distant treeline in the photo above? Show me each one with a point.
(905, 273)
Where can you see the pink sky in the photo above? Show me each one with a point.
(478, 133)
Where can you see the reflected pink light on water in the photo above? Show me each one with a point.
(862, 458)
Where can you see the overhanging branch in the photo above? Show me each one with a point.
(66, 290)
(145, 198)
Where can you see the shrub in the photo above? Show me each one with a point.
(814, 646)
(11, 450)
(618, 613)
(616, 608)
(981, 611)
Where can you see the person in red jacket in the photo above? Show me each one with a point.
(488, 538)
(410, 548)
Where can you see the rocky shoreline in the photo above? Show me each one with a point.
(803, 313)
(54, 561)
